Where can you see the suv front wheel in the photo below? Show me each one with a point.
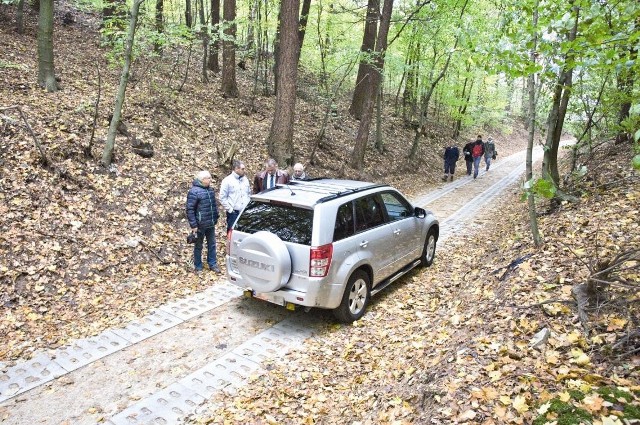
(355, 298)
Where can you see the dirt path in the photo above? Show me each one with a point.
(198, 346)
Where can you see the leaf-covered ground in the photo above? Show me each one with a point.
(82, 248)
(454, 344)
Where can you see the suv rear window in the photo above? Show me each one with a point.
(291, 224)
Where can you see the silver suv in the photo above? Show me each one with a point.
(328, 243)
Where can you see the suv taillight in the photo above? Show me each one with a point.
(229, 241)
(320, 260)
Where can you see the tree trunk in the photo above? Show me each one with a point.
(531, 108)
(254, 7)
(20, 17)
(229, 84)
(276, 52)
(188, 14)
(525, 103)
(157, 47)
(46, 70)
(360, 145)
(280, 140)
(462, 109)
(379, 139)
(409, 94)
(214, 46)
(107, 154)
(365, 70)
(558, 110)
(304, 18)
(204, 34)
(626, 80)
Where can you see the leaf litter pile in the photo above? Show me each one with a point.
(490, 334)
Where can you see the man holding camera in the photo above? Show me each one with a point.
(202, 213)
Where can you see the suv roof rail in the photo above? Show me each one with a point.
(332, 191)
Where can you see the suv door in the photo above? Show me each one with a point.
(406, 228)
(374, 238)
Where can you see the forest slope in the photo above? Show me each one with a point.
(82, 248)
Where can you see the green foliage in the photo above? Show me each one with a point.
(567, 414)
(89, 5)
(636, 162)
(539, 187)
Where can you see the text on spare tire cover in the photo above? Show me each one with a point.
(257, 264)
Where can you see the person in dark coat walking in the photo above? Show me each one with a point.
(451, 156)
(467, 157)
(202, 213)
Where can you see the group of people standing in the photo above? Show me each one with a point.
(235, 190)
(473, 153)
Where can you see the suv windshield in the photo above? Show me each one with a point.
(289, 223)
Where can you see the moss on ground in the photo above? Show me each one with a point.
(566, 414)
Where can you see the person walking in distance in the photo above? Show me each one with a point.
(299, 173)
(477, 150)
(451, 156)
(202, 213)
(269, 177)
(235, 191)
(468, 159)
(490, 152)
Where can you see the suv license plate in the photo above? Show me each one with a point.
(271, 298)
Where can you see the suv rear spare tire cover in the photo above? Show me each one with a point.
(264, 262)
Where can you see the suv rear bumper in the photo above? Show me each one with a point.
(320, 294)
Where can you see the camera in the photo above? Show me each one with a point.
(191, 237)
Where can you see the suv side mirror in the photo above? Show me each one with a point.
(420, 212)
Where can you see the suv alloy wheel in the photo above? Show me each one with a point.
(355, 299)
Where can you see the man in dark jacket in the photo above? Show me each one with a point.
(451, 156)
(467, 157)
(269, 177)
(202, 213)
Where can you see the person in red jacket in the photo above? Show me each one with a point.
(477, 150)
(271, 176)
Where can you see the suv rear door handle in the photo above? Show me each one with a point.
(397, 232)
(364, 244)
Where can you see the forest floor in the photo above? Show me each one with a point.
(84, 249)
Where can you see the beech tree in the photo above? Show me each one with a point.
(214, 45)
(107, 153)
(280, 139)
(365, 69)
(375, 79)
(229, 84)
(559, 103)
(46, 70)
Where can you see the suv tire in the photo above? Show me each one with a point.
(355, 298)
(429, 250)
(264, 262)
